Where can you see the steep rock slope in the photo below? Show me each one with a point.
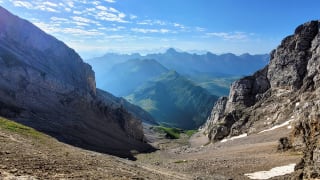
(285, 91)
(45, 85)
(171, 99)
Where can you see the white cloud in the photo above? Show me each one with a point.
(159, 22)
(178, 25)
(229, 35)
(102, 8)
(110, 1)
(200, 29)
(49, 9)
(141, 30)
(76, 31)
(90, 9)
(79, 24)
(77, 12)
(70, 4)
(81, 19)
(145, 22)
(58, 19)
(24, 4)
(67, 9)
(95, 3)
(108, 16)
(38, 5)
(133, 16)
(153, 22)
(50, 4)
(111, 9)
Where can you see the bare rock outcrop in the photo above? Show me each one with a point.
(46, 85)
(286, 90)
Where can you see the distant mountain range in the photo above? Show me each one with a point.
(210, 71)
(173, 98)
(174, 101)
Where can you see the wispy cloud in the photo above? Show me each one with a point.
(141, 30)
(108, 16)
(229, 35)
(200, 29)
(110, 1)
(102, 8)
(54, 29)
(133, 16)
(24, 4)
(153, 22)
(38, 5)
(82, 19)
(58, 19)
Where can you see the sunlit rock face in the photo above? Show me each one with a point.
(46, 85)
(287, 89)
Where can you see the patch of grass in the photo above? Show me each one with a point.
(19, 128)
(172, 133)
(191, 132)
(180, 161)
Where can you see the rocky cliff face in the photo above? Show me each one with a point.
(46, 85)
(285, 90)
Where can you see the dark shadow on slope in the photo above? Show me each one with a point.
(78, 135)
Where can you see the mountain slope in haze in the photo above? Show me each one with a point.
(45, 85)
(191, 64)
(123, 78)
(136, 111)
(286, 93)
(209, 71)
(173, 100)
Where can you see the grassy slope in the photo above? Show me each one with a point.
(175, 101)
(20, 129)
(174, 133)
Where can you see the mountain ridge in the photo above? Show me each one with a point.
(45, 85)
(286, 91)
(173, 100)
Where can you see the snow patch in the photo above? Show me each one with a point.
(277, 126)
(234, 137)
(277, 171)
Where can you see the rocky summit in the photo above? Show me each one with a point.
(45, 85)
(286, 91)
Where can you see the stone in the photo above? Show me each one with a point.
(284, 144)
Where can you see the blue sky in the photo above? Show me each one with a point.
(94, 27)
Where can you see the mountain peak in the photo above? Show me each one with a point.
(171, 51)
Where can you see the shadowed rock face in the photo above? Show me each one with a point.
(45, 84)
(286, 89)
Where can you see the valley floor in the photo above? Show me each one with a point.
(41, 157)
